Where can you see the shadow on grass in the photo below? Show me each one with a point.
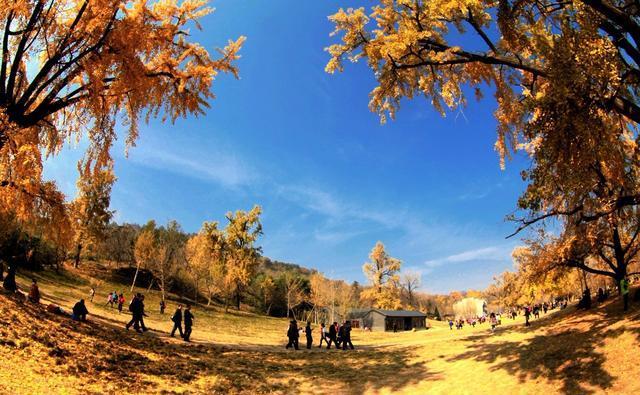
(568, 353)
(102, 350)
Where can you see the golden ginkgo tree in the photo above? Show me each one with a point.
(565, 77)
(382, 271)
(73, 69)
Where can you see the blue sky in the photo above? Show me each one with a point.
(330, 178)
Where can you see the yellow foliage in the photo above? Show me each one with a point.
(71, 68)
(382, 272)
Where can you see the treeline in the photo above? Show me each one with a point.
(541, 275)
(218, 264)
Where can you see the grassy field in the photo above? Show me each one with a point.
(563, 352)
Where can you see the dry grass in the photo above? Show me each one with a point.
(564, 352)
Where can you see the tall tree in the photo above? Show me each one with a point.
(319, 292)
(345, 298)
(565, 76)
(145, 250)
(198, 259)
(90, 210)
(268, 290)
(242, 232)
(382, 272)
(70, 68)
(293, 290)
(410, 281)
(205, 254)
(170, 254)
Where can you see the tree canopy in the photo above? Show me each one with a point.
(73, 69)
(565, 77)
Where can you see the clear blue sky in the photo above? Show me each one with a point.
(331, 179)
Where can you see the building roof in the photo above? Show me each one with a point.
(387, 313)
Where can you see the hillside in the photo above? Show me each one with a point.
(564, 352)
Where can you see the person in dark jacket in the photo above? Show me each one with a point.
(177, 321)
(9, 282)
(80, 311)
(141, 314)
(163, 305)
(293, 335)
(134, 308)
(346, 335)
(340, 335)
(137, 311)
(307, 333)
(188, 323)
(333, 334)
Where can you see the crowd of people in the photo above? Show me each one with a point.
(338, 335)
(79, 312)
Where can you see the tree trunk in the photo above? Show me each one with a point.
(76, 263)
(135, 276)
(238, 297)
(195, 292)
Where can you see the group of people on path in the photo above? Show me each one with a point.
(113, 299)
(339, 335)
(178, 317)
(79, 311)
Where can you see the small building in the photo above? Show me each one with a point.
(388, 320)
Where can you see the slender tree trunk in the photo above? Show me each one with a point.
(195, 293)
(76, 263)
(238, 291)
(135, 276)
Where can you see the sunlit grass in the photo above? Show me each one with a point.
(563, 352)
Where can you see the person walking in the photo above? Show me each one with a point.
(346, 335)
(333, 335)
(527, 314)
(120, 303)
(624, 290)
(109, 299)
(292, 335)
(450, 324)
(137, 311)
(142, 314)
(307, 334)
(34, 292)
(323, 335)
(177, 321)
(188, 323)
(340, 331)
(494, 321)
(133, 308)
(92, 293)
